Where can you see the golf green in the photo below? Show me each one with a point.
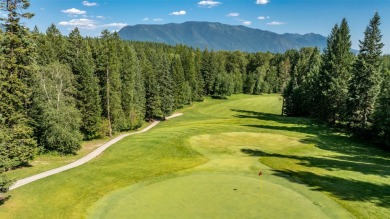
(207, 196)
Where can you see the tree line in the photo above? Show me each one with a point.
(342, 89)
(56, 90)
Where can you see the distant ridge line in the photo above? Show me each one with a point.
(217, 36)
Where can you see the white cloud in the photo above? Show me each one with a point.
(276, 23)
(262, 2)
(146, 19)
(100, 17)
(82, 23)
(233, 15)
(119, 25)
(178, 13)
(208, 3)
(246, 23)
(261, 18)
(157, 19)
(74, 11)
(89, 4)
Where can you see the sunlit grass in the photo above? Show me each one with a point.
(228, 136)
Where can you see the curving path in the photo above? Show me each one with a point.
(85, 159)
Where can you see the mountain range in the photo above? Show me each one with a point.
(217, 36)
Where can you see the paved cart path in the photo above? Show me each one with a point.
(85, 159)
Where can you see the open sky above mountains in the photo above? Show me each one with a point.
(280, 16)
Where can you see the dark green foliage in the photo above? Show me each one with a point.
(88, 99)
(180, 89)
(198, 83)
(59, 119)
(5, 184)
(255, 81)
(209, 71)
(223, 84)
(381, 121)
(299, 94)
(17, 65)
(366, 78)
(262, 74)
(108, 63)
(335, 74)
(165, 85)
(133, 94)
(54, 47)
(236, 66)
(153, 100)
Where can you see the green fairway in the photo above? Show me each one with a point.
(205, 164)
(208, 196)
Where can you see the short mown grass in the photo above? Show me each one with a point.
(297, 150)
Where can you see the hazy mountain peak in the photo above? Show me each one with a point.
(218, 36)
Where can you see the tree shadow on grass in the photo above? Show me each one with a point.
(352, 155)
(218, 97)
(323, 137)
(247, 114)
(4, 198)
(345, 189)
(330, 164)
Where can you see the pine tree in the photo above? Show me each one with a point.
(381, 126)
(152, 96)
(75, 46)
(208, 69)
(131, 89)
(79, 56)
(298, 96)
(17, 145)
(179, 85)
(198, 88)
(366, 78)
(55, 46)
(165, 85)
(139, 99)
(153, 99)
(88, 98)
(108, 58)
(335, 74)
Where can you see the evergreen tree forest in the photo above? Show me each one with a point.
(56, 90)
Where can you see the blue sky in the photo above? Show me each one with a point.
(280, 16)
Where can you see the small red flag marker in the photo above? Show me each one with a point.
(260, 173)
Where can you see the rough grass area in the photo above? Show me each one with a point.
(50, 161)
(206, 163)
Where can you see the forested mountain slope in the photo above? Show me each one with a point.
(219, 36)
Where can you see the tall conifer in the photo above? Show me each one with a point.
(17, 144)
(366, 77)
(381, 121)
(335, 74)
